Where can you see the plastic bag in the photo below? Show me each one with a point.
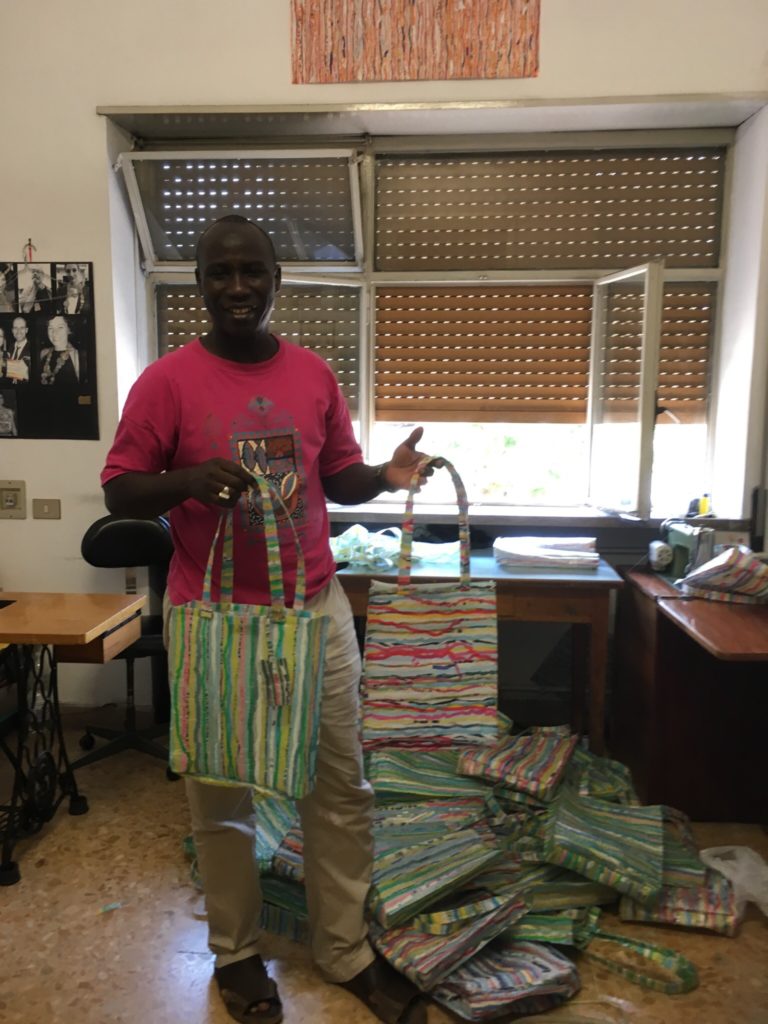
(745, 869)
(380, 550)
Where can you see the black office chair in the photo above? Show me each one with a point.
(116, 543)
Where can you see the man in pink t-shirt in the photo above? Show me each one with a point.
(195, 426)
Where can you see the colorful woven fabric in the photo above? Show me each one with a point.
(278, 921)
(408, 880)
(419, 775)
(523, 835)
(396, 828)
(275, 817)
(735, 575)
(682, 865)
(601, 778)
(455, 912)
(711, 905)
(246, 681)
(429, 959)
(642, 963)
(621, 847)
(284, 910)
(430, 674)
(288, 859)
(533, 762)
(546, 887)
(557, 927)
(508, 976)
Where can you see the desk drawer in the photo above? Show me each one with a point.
(104, 647)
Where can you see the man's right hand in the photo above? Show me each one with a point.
(218, 482)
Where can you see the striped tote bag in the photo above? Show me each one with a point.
(508, 977)
(246, 681)
(430, 676)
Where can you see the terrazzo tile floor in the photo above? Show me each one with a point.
(105, 927)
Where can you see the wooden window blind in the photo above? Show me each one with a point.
(618, 386)
(319, 317)
(684, 354)
(521, 353)
(304, 204)
(479, 354)
(538, 211)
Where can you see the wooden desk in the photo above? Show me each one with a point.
(690, 701)
(730, 632)
(70, 627)
(581, 598)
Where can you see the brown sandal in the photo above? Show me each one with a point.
(248, 992)
(387, 994)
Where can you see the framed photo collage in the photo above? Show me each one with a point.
(47, 351)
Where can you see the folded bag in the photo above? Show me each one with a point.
(508, 976)
(430, 677)
(246, 680)
(735, 576)
(428, 959)
(533, 762)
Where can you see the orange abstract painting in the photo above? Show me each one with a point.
(413, 40)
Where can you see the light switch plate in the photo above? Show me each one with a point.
(13, 499)
(46, 508)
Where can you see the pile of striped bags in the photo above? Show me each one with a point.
(492, 864)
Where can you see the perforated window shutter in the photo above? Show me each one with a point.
(321, 318)
(470, 354)
(304, 204)
(539, 211)
(684, 354)
(521, 354)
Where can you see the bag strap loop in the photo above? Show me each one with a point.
(683, 976)
(271, 502)
(406, 541)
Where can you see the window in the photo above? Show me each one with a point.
(460, 289)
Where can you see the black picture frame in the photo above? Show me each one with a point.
(48, 350)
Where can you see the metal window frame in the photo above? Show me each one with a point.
(652, 275)
(152, 264)
(362, 158)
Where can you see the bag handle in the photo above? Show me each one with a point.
(270, 502)
(684, 974)
(445, 922)
(406, 541)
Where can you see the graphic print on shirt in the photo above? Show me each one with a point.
(274, 457)
(271, 449)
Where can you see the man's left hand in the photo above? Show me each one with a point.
(398, 471)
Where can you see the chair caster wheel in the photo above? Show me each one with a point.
(171, 775)
(87, 742)
(78, 804)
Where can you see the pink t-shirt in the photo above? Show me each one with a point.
(286, 416)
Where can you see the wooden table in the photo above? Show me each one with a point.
(690, 701)
(730, 632)
(578, 597)
(70, 627)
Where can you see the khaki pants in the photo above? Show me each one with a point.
(335, 817)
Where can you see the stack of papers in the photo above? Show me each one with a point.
(546, 552)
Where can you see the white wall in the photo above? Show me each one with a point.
(742, 361)
(58, 188)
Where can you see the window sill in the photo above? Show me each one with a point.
(388, 512)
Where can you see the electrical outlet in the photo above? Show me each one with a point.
(46, 508)
(13, 499)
